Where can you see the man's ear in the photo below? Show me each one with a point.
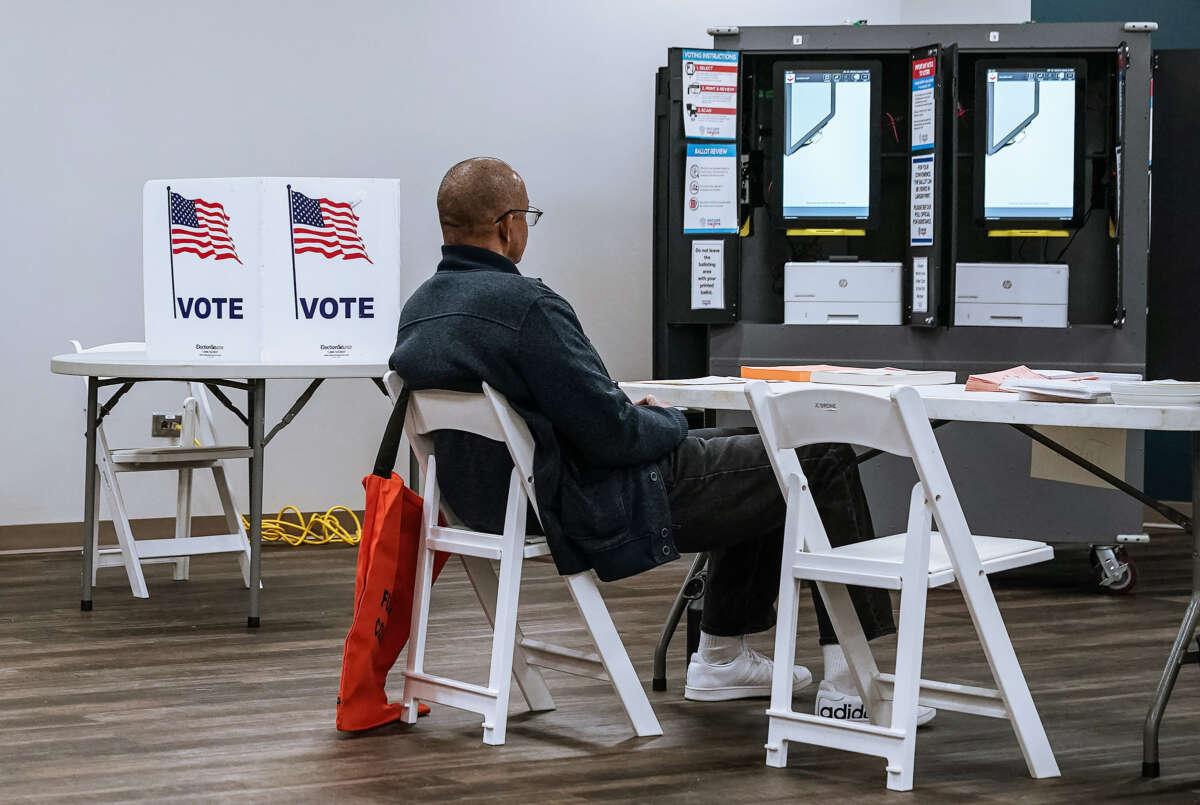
(504, 230)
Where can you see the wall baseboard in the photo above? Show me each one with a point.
(51, 537)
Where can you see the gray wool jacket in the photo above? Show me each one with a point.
(599, 490)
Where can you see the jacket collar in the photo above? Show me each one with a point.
(473, 258)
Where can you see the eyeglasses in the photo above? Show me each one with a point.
(532, 216)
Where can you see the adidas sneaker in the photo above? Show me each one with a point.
(746, 676)
(833, 703)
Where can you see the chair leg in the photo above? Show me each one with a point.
(784, 659)
(529, 679)
(120, 518)
(233, 520)
(504, 635)
(1006, 671)
(419, 629)
(612, 651)
(183, 520)
(977, 591)
(907, 691)
(910, 642)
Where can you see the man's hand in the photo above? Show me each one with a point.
(650, 399)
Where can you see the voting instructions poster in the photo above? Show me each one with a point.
(708, 275)
(710, 82)
(924, 72)
(710, 189)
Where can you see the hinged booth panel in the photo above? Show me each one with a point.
(698, 182)
(930, 219)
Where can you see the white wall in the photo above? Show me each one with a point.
(99, 97)
(934, 12)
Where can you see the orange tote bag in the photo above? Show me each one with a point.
(383, 588)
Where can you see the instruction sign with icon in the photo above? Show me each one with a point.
(710, 189)
(710, 82)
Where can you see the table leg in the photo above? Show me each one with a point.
(1187, 629)
(659, 679)
(256, 403)
(89, 494)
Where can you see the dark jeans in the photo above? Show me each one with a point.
(725, 500)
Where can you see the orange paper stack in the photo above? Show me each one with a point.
(797, 374)
(992, 380)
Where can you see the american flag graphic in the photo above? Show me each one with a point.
(325, 227)
(201, 228)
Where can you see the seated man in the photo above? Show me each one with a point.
(621, 487)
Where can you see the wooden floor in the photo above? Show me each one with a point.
(171, 699)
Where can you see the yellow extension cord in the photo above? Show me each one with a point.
(320, 529)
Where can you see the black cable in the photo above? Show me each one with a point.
(1071, 239)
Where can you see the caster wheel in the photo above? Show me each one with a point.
(1122, 585)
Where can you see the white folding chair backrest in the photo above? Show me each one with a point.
(803, 416)
(119, 346)
(893, 421)
(116, 346)
(197, 410)
(798, 417)
(485, 414)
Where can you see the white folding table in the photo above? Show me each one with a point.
(953, 403)
(125, 369)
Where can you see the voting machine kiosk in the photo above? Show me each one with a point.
(963, 197)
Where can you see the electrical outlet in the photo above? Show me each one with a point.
(165, 425)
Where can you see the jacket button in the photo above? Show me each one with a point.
(666, 549)
(666, 532)
(653, 476)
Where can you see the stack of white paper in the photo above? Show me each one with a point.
(1156, 392)
(710, 380)
(883, 377)
(1079, 391)
(1112, 377)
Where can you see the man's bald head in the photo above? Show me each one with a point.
(477, 191)
(472, 195)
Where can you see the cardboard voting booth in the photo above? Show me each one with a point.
(276, 269)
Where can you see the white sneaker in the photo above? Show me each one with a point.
(833, 703)
(746, 676)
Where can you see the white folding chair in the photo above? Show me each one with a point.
(183, 457)
(910, 562)
(513, 654)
